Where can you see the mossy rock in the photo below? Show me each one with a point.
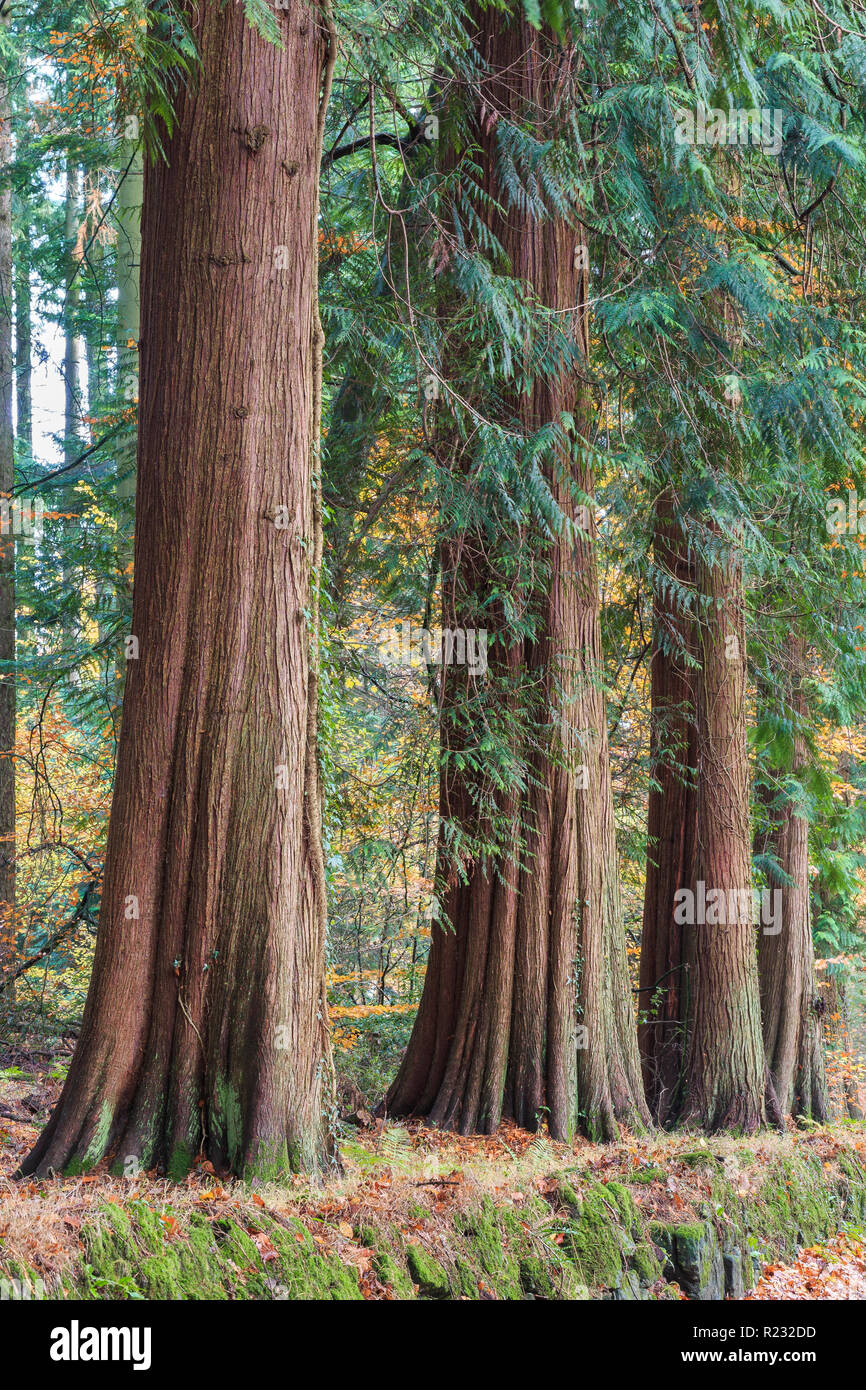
(430, 1276)
(662, 1238)
(595, 1240)
(700, 1270)
(625, 1205)
(492, 1241)
(131, 1254)
(794, 1206)
(565, 1247)
(139, 1253)
(392, 1274)
(735, 1272)
(646, 1264)
(699, 1158)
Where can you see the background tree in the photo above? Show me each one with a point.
(531, 938)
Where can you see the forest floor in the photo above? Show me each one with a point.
(420, 1184)
(834, 1270)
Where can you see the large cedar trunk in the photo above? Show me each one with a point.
(7, 535)
(672, 818)
(724, 1070)
(206, 1025)
(526, 1008)
(790, 1007)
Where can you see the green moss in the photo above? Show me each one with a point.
(76, 1166)
(594, 1240)
(99, 1142)
(568, 1196)
(794, 1205)
(180, 1163)
(645, 1176)
(144, 1250)
(698, 1158)
(427, 1273)
(689, 1233)
(646, 1264)
(227, 1120)
(392, 1274)
(491, 1237)
(269, 1163)
(625, 1205)
(138, 1254)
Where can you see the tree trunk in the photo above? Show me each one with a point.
(724, 1073)
(790, 1007)
(526, 1008)
(73, 346)
(672, 819)
(23, 344)
(206, 1021)
(7, 534)
(128, 205)
(73, 412)
(844, 1095)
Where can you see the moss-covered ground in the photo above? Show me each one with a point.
(414, 1214)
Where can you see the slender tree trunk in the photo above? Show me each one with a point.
(128, 205)
(73, 349)
(844, 1101)
(94, 308)
(790, 1007)
(7, 534)
(23, 343)
(672, 820)
(73, 413)
(724, 1074)
(526, 1008)
(206, 1021)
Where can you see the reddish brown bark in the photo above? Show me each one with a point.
(528, 952)
(672, 818)
(205, 1024)
(724, 1069)
(790, 1007)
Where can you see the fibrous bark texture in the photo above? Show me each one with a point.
(526, 1009)
(672, 818)
(205, 1025)
(724, 1067)
(790, 1006)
